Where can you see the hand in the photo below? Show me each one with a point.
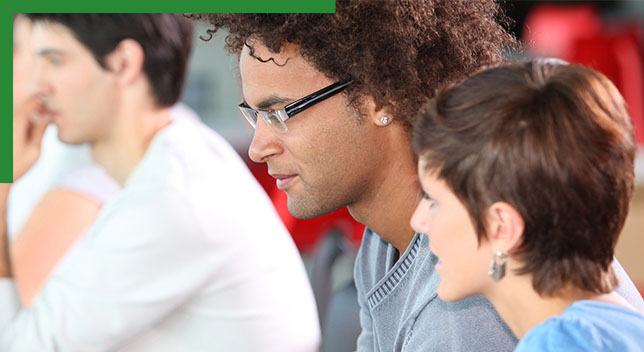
(29, 123)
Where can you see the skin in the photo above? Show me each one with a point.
(66, 72)
(464, 260)
(331, 156)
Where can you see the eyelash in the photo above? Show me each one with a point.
(54, 61)
(430, 199)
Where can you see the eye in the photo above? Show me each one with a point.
(432, 201)
(55, 61)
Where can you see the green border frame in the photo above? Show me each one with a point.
(182, 6)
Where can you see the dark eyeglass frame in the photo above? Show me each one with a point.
(277, 118)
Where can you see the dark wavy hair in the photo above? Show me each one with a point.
(553, 140)
(166, 40)
(398, 52)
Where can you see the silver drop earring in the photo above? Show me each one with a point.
(497, 266)
(384, 120)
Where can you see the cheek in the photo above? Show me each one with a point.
(464, 277)
(477, 261)
(325, 146)
(69, 89)
(483, 256)
(455, 245)
(467, 245)
(99, 94)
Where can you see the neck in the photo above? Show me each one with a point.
(125, 146)
(522, 308)
(389, 203)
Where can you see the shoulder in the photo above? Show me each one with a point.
(557, 333)
(471, 324)
(189, 154)
(588, 326)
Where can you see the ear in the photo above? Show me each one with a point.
(378, 116)
(126, 61)
(505, 227)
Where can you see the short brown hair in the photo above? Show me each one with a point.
(553, 140)
(166, 39)
(398, 52)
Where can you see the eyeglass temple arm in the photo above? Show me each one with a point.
(315, 98)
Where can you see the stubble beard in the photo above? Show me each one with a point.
(314, 204)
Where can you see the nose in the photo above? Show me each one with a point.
(39, 82)
(419, 220)
(265, 143)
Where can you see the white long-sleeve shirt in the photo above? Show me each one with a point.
(189, 256)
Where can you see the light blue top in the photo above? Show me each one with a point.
(588, 326)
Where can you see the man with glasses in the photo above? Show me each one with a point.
(332, 98)
(172, 262)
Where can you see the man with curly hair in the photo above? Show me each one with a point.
(332, 98)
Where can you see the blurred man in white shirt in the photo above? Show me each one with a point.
(172, 262)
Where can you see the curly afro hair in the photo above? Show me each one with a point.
(398, 52)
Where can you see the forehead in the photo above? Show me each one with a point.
(21, 31)
(422, 169)
(428, 177)
(55, 36)
(286, 73)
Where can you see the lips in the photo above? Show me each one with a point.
(41, 115)
(283, 180)
(44, 111)
(48, 104)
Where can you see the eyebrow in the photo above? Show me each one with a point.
(272, 101)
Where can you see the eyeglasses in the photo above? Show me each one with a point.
(276, 119)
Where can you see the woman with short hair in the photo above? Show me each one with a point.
(539, 157)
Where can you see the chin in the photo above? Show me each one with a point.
(308, 209)
(305, 213)
(450, 294)
(67, 139)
